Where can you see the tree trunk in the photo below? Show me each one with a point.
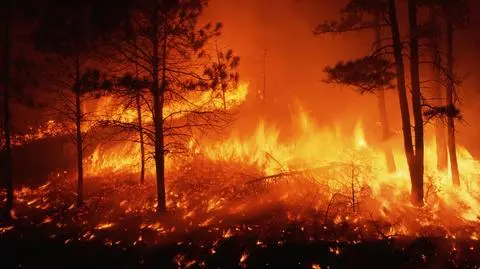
(417, 180)
(440, 138)
(382, 106)
(402, 90)
(7, 115)
(140, 134)
(158, 112)
(140, 127)
(79, 138)
(450, 103)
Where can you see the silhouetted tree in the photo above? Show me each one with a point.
(17, 77)
(6, 103)
(138, 104)
(414, 35)
(71, 34)
(452, 14)
(455, 14)
(170, 49)
(452, 148)
(434, 41)
(382, 106)
(374, 71)
(353, 19)
(131, 89)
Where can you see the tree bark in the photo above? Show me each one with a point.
(417, 179)
(158, 110)
(402, 90)
(440, 137)
(7, 115)
(162, 92)
(140, 126)
(79, 138)
(440, 140)
(382, 106)
(452, 150)
(140, 134)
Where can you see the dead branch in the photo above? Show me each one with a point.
(289, 174)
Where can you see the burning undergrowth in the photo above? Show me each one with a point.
(260, 191)
(223, 210)
(221, 196)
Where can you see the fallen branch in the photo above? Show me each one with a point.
(275, 160)
(289, 174)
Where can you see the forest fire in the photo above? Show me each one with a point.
(139, 134)
(345, 174)
(346, 166)
(344, 182)
(123, 157)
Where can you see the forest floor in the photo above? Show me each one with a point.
(48, 231)
(118, 227)
(36, 247)
(218, 223)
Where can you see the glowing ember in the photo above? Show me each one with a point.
(104, 226)
(244, 257)
(227, 234)
(5, 229)
(335, 250)
(47, 220)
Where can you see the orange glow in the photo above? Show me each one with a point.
(124, 157)
(244, 257)
(346, 172)
(346, 165)
(104, 226)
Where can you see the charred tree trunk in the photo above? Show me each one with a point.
(158, 112)
(402, 89)
(382, 106)
(440, 138)
(417, 179)
(452, 150)
(162, 197)
(140, 126)
(140, 134)
(79, 138)
(6, 107)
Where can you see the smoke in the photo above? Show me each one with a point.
(278, 49)
(277, 36)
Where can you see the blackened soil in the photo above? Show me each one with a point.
(33, 247)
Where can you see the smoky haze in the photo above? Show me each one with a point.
(295, 58)
(294, 63)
